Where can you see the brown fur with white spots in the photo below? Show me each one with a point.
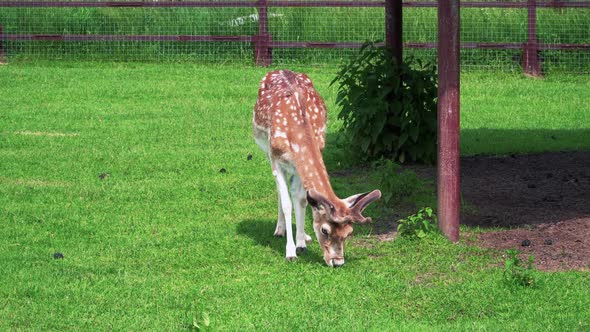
(290, 127)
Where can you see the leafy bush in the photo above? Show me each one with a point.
(389, 109)
(418, 225)
(515, 274)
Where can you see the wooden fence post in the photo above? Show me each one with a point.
(393, 28)
(448, 188)
(530, 53)
(262, 49)
(2, 54)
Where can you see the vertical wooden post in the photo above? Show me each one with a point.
(262, 49)
(530, 53)
(448, 190)
(2, 54)
(394, 28)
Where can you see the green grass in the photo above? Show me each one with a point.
(165, 239)
(503, 113)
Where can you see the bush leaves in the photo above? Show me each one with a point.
(388, 110)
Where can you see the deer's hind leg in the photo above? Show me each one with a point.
(261, 138)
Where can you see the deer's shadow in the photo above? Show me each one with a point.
(261, 232)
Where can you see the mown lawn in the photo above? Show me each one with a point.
(117, 167)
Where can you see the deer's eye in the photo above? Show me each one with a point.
(324, 231)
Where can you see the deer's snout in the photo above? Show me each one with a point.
(336, 262)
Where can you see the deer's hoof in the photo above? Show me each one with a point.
(291, 258)
(279, 232)
(300, 250)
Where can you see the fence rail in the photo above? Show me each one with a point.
(264, 44)
(209, 4)
(193, 4)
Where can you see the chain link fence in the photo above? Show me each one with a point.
(494, 34)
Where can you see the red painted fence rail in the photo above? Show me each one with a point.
(260, 3)
(263, 43)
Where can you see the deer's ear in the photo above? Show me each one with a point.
(312, 201)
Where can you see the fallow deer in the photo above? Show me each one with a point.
(289, 125)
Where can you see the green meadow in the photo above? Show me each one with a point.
(116, 166)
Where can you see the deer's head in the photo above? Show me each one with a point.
(333, 220)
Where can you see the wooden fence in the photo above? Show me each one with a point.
(263, 43)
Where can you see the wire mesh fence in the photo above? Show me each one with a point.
(493, 33)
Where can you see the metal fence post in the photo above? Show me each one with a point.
(262, 49)
(393, 28)
(448, 187)
(530, 53)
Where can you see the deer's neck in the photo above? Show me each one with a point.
(310, 166)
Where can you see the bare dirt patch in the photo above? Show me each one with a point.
(559, 246)
(526, 190)
(543, 198)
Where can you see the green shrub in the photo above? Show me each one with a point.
(389, 110)
(418, 225)
(515, 274)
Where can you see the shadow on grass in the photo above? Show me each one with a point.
(490, 141)
(509, 180)
(261, 232)
(338, 153)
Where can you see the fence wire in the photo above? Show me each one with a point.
(150, 27)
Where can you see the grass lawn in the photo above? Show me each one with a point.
(117, 167)
(503, 113)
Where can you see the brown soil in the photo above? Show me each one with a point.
(560, 246)
(543, 198)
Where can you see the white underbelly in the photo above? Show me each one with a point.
(288, 168)
(261, 136)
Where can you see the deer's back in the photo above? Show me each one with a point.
(291, 112)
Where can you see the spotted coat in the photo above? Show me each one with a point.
(291, 115)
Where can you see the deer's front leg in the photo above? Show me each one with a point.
(280, 229)
(286, 206)
(298, 195)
